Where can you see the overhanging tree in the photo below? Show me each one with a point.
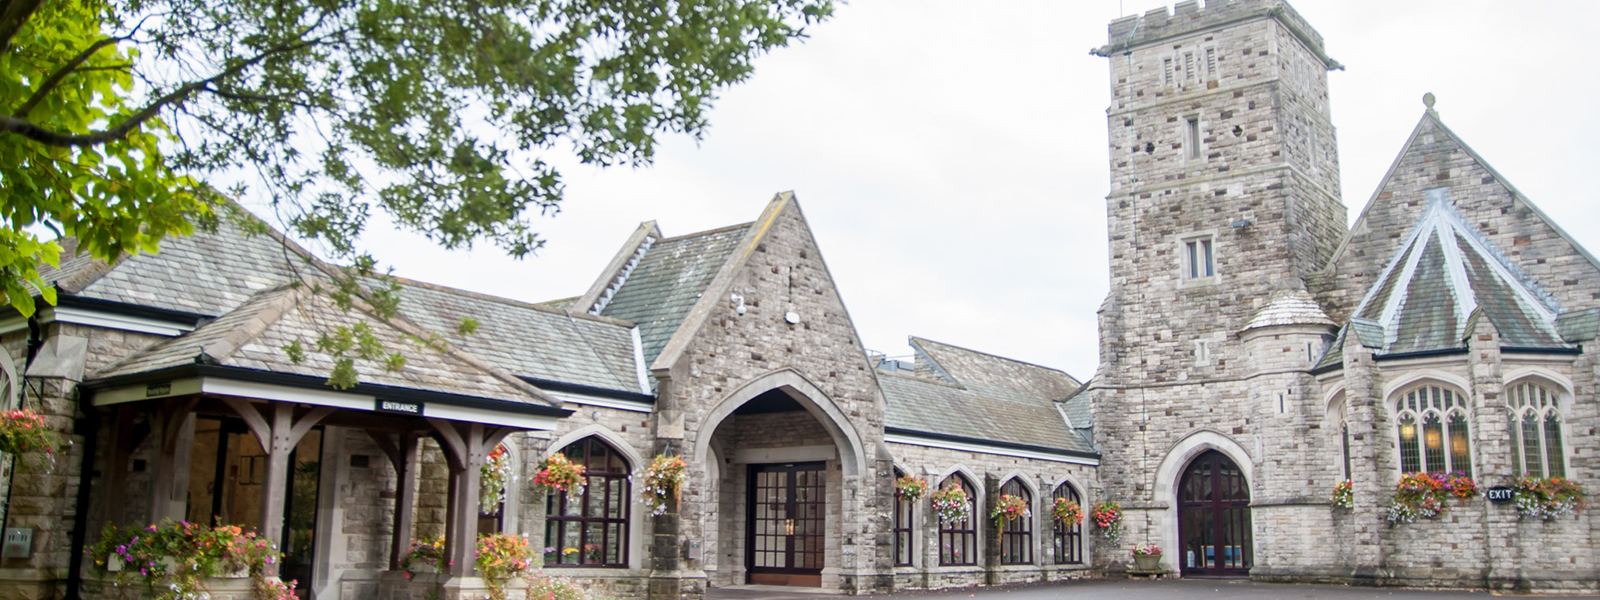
(437, 112)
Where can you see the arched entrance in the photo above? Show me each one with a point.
(1214, 518)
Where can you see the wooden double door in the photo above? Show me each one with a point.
(1214, 518)
(787, 523)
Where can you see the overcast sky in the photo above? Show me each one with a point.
(951, 156)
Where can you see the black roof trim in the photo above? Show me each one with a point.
(1537, 350)
(992, 443)
(1420, 354)
(1328, 369)
(320, 384)
(66, 300)
(578, 388)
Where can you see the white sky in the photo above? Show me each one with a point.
(951, 156)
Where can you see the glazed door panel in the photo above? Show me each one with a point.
(786, 524)
(1214, 518)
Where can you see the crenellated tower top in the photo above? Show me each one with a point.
(1159, 25)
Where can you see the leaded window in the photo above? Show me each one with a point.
(591, 528)
(1433, 432)
(903, 524)
(1068, 539)
(1016, 535)
(958, 540)
(1536, 431)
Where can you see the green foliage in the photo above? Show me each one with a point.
(117, 197)
(467, 326)
(436, 112)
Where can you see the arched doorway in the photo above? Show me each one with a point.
(1214, 518)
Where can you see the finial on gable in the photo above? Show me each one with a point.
(1428, 100)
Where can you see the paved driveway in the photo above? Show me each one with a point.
(1108, 589)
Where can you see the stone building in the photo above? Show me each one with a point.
(1255, 352)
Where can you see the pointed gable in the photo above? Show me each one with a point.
(670, 276)
(1443, 274)
(1488, 206)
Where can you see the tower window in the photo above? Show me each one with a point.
(1198, 258)
(1211, 63)
(1191, 140)
(1166, 72)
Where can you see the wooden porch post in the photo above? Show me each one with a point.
(404, 457)
(466, 448)
(278, 433)
(169, 489)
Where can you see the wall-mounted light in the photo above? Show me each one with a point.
(738, 300)
(1241, 223)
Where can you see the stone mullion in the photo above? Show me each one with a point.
(1369, 455)
(1491, 450)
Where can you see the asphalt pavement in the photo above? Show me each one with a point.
(1143, 589)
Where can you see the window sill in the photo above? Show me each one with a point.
(1200, 282)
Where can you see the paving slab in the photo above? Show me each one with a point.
(1110, 589)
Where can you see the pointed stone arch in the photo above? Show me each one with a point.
(616, 441)
(1170, 472)
(852, 453)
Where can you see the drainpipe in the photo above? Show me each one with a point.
(89, 428)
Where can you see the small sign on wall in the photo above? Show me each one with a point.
(1500, 494)
(18, 543)
(395, 406)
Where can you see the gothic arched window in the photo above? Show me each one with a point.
(1432, 424)
(1536, 431)
(1016, 537)
(958, 540)
(591, 529)
(1068, 538)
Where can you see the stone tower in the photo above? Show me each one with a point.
(1224, 194)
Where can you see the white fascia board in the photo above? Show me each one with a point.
(627, 405)
(282, 393)
(491, 417)
(638, 361)
(908, 440)
(13, 324)
(148, 391)
(95, 318)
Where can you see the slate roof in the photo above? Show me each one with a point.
(254, 335)
(670, 278)
(205, 273)
(990, 398)
(1289, 307)
(530, 340)
(1442, 273)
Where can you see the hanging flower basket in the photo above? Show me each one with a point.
(1548, 499)
(1426, 495)
(493, 477)
(1009, 508)
(663, 481)
(501, 558)
(1066, 512)
(1343, 495)
(1107, 516)
(23, 431)
(951, 504)
(910, 488)
(558, 473)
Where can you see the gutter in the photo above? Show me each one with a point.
(991, 443)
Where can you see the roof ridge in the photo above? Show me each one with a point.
(914, 377)
(993, 355)
(722, 229)
(288, 296)
(503, 300)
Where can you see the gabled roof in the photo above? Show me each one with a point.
(253, 337)
(208, 273)
(992, 398)
(670, 277)
(1442, 272)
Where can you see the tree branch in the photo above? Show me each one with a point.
(27, 129)
(13, 14)
(55, 78)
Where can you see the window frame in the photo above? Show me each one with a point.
(556, 519)
(1203, 244)
(1444, 410)
(1193, 149)
(904, 527)
(965, 530)
(1067, 537)
(1017, 535)
(1527, 398)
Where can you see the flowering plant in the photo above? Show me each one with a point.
(1009, 508)
(951, 503)
(1107, 516)
(493, 476)
(273, 589)
(500, 558)
(1344, 495)
(1146, 550)
(910, 487)
(22, 430)
(545, 587)
(174, 559)
(558, 473)
(426, 551)
(1548, 499)
(1067, 512)
(1424, 495)
(662, 481)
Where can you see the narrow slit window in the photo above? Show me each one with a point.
(1166, 72)
(1211, 63)
(1191, 140)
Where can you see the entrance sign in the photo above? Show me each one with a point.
(404, 408)
(1500, 494)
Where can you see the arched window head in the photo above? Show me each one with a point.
(591, 529)
(1536, 430)
(1016, 537)
(1340, 423)
(958, 540)
(1433, 432)
(1068, 537)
